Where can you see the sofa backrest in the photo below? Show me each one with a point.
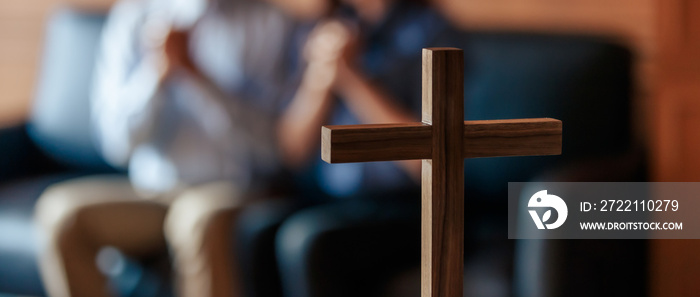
(584, 81)
(60, 118)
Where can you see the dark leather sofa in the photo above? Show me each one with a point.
(584, 81)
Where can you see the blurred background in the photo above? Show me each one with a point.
(633, 22)
(630, 68)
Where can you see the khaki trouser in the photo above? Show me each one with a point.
(78, 217)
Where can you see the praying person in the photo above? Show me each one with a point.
(351, 224)
(185, 97)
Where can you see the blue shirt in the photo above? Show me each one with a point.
(392, 60)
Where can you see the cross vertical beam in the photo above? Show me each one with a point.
(442, 242)
(442, 140)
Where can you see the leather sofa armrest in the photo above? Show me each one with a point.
(19, 157)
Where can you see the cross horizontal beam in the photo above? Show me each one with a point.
(411, 141)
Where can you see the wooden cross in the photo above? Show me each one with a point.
(442, 141)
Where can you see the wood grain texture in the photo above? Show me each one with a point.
(442, 140)
(521, 137)
(413, 141)
(442, 252)
(383, 142)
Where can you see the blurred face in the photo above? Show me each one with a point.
(304, 9)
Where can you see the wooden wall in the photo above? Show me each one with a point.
(675, 266)
(21, 27)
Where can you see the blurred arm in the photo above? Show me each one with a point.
(368, 102)
(331, 52)
(299, 129)
(127, 85)
(372, 106)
